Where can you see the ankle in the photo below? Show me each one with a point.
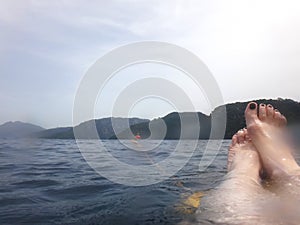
(295, 172)
(286, 176)
(243, 175)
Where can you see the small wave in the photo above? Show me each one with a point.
(7, 166)
(36, 183)
(77, 191)
(15, 201)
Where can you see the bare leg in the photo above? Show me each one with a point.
(266, 130)
(243, 159)
(238, 199)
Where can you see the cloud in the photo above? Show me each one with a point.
(48, 45)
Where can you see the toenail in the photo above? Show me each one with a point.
(252, 106)
(262, 105)
(269, 106)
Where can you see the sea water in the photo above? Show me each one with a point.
(49, 182)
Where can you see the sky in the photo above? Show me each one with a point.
(252, 48)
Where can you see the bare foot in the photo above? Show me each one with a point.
(265, 127)
(240, 198)
(243, 159)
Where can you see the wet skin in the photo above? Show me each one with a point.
(241, 198)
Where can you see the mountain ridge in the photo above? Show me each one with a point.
(18, 129)
(117, 127)
(154, 129)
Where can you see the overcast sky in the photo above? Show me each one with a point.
(251, 47)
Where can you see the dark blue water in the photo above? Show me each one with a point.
(49, 182)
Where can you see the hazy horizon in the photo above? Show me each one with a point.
(70, 125)
(251, 47)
